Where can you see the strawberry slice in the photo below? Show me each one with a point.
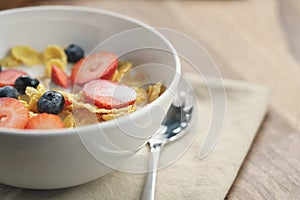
(9, 76)
(13, 114)
(108, 94)
(99, 65)
(59, 77)
(45, 121)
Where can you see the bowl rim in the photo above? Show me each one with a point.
(105, 124)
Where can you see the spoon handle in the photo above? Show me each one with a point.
(149, 187)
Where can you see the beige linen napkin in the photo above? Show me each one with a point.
(189, 177)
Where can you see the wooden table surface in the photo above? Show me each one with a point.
(252, 40)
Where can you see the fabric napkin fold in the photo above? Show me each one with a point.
(188, 177)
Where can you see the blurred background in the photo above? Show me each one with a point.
(268, 22)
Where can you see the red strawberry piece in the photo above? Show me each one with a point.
(108, 94)
(75, 70)
(9, 76)
(45, 121)
(13, 114)
(99, 65)
(67, 102)
(59, 77)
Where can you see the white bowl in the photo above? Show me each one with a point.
(48, 159)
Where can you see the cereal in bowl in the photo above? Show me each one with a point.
(46, 101)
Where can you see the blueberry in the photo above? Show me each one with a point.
(0, 68)
(25, 81)
(9, 91)
(74, 53)
(51, 102)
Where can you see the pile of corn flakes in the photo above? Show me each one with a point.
(77, 111)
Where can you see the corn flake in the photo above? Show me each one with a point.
(24, 103)
(10, 61)
(121, 71)
(55, 52)
(34, 95)
(155, 91)
(69, 121)
(119, 113)
(97, 110)
(149, 90)
(26, 55)
(32, 114)
(141, 96)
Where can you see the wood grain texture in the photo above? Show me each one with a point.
(253, 40)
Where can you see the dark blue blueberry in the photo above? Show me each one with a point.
(9, 91)
(25, 81)
(0, 68)
(74, 53)
(51, 102)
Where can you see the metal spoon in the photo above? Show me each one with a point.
(174, 126)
